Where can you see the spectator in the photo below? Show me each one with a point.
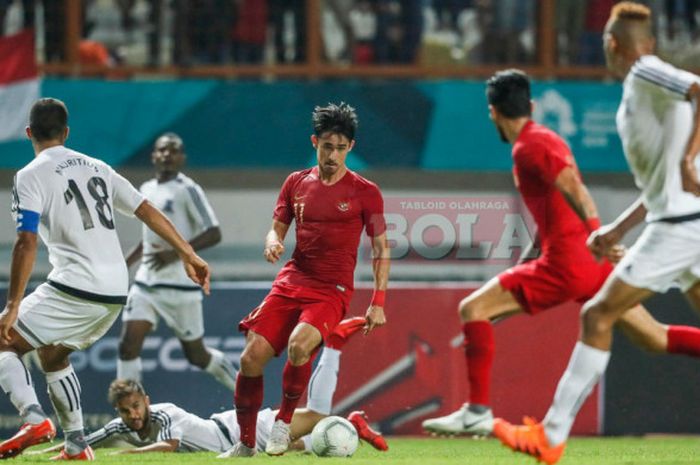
(249, 31)
(570, 21)
(363, 24)
(289, 20)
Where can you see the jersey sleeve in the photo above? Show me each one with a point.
(663, 80)
(126, 198)
(198, 208)
(27, 201)
(373, 212)
(284, 209)
(112, 429)
(542, 161)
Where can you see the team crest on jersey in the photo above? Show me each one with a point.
(343, 206)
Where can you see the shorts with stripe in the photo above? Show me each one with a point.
(48, 316)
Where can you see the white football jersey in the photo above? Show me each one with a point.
(76, 196)
(168, 421)
(655, 122)
(184, 203)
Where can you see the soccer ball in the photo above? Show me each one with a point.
(334, 437)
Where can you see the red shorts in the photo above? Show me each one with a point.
(286, 306)
(539, 284)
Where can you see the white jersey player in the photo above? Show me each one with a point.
(161, 288)
(659, 124)
(165, 427)
(69, 199)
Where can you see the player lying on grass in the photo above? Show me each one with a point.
(165, 427)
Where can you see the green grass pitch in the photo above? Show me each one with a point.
(457, 451)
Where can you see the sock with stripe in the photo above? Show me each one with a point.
(249, 399)
(324, 381)
(586, 366)
(221, 369)
(683, 340)
(129, 369)
(64, 391)
(479, 348)
(294, 382)
(16, 382)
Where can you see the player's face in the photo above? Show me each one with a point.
(167, 155)
(134, 411)
(331, 151)
(496, 118)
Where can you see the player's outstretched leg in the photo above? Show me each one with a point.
(221, 369)
(529, 438)
(239, 450)
(360, 421)
(64, 392)
(38, 428)
(85, 454)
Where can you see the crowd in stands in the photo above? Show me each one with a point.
(432, 32)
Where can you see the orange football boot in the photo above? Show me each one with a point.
(27, 436)
(365, 432)
(528, 439)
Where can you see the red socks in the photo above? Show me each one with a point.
(684, 340)
(249, 399)
(294, 382)
(479, 350)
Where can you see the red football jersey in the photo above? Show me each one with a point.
(539, 155)
(329, 223)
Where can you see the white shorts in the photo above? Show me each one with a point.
(665, 255)
(181, 310)
(48, 316)
(266, 418)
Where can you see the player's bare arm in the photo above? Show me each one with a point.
(274, 247)
(689, 175)
(134, 255)
(576, 194)
(23, 257)
(169, 445)
(602, 240)
(196, 268)
(206, 239)
(380, 268)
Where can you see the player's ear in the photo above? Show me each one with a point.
(314, 141)
(66, 133)
(28, 131)
(532, 107)
(352, 144)
(493, 113)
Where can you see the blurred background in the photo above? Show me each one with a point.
(238, 80)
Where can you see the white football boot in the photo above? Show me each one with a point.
(278, 442)
(239, 450)
(462, 422)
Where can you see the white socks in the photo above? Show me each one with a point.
(323, 382)
(129, 369)
(586, 366)
(64, 391)
(221, 369)
(17, 383)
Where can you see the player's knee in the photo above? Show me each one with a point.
(595, 318)
(251, 364)
(471, 310)
(297, 353)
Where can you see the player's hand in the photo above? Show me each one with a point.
(375, 317)
(7, 320)
(273, 251)
(602, 239)
(615, 253)
(198, 270)
(689, 177)
(158, 260)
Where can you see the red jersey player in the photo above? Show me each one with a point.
(550, 184)
(331, 206)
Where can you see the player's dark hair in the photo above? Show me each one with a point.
(336, 119)
(508, 92)
(48, 119)
(121, 388)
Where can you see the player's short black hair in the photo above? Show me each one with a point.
(337, 119)
(48, 119)
(508, 92)
(121, 388)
